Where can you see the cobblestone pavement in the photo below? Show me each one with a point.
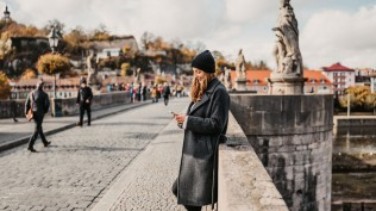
(81, 163)
(11, 132)
(146, 183)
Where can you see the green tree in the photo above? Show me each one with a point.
(5, 88)
(52, 64)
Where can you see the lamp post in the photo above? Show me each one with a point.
(53, 39)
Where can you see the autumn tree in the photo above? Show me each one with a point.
(146, 39)
(59, 26)
(125, 69)
(52, 64)
(360, 98)
(261, 65)
(28, 74)
(5, 88)
(76, 41)
(100, 34)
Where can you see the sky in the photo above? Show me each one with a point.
(330, 30)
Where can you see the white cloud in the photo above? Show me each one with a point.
(245, 10)
(331, 36)
(226, 25)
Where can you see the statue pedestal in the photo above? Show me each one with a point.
(281, 84)
(241, 84)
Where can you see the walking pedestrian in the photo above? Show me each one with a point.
(205, 125)
(84, 99)
(14, 108)
(153, 94)
(39, 104)
(166, 93)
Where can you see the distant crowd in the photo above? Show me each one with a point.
(140, 92)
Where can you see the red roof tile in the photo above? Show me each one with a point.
(338, 67)
(259, 77)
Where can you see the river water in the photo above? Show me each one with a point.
(354, 168)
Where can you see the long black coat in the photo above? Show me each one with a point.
(206, 125)
(41, 102)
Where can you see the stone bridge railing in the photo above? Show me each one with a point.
(243, 182)
(67, 106)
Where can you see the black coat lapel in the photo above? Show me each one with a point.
(212, 85)
(204, 99)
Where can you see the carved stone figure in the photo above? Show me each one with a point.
(240, 65)
(92, 64)
(138, 75)
(286, 51)
(227, 78)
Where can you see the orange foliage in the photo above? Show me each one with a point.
(53, 63)
(28, 74)
(5, 88)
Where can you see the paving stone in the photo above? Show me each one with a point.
(81, 163)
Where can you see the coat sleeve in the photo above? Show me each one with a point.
(27, 103)
(90, 95)
(215, 123)
(46, 103)
(78, 96)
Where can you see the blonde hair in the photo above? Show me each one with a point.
(199, 87)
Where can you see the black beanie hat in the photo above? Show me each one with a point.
(205, 62)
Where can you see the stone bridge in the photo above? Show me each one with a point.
(126, 160)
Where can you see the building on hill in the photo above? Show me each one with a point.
(25, 53)
(126, 44)
(257, 81)
(341, 77)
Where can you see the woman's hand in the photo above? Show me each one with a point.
(180, 118)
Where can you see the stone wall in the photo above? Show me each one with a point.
(68, 106)
(292, 136)
(7, 108)
(243, 182)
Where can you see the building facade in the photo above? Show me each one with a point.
(341, 77)
(257, 81)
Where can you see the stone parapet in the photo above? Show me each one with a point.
(292, 136)
(283, 114)
(243, 183)
(67, 107)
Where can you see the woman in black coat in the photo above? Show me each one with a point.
(204, 125)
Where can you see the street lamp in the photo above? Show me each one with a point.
(53, 39)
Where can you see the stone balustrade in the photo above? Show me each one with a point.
(67, 106)
(243, 182)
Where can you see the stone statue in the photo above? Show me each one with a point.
(227, 78)
(92, 68)
(138, 75)
(240, 65)
(286, 51)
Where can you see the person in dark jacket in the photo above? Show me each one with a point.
(205, 125)
(84, 99)
(14, 108)
(39, 103)
(166, 93)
